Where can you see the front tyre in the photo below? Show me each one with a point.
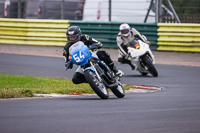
(98, 86)
(118, 91)
(148, 63)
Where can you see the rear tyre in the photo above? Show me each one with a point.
(148, 63)
(118, 91)
(143, 73)
(98, 86)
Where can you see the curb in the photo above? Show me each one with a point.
(134, 89)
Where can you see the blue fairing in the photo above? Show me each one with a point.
(79, 53)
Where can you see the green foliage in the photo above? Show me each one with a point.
(185, 7)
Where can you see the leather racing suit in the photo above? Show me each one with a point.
(124, 42)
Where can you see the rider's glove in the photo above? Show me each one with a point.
(68, 65)
(94, 46)
(148, 42)
(145, 40)
(127, 56)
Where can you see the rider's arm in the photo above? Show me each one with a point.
(66, 55)
(138, 35)
(91, 41)
(122, 48)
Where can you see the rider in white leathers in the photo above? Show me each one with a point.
(124, 38)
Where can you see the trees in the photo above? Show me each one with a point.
(186, 7)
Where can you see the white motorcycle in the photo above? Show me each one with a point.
(142, 58)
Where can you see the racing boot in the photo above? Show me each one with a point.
(117, 72)
(105, 56)
(125, 61)
(132, 66)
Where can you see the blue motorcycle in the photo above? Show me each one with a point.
(96, 72)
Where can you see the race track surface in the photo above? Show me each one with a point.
(174, 109)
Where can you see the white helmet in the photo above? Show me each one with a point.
(124, 29)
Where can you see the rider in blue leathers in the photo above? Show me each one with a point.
(74, 35)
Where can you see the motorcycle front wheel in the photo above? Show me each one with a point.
(148, 63)
(98, 86)
(118, 91)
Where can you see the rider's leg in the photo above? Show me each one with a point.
(78, 77)
(125, 61)
(105, 56)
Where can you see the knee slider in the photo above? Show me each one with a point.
(120, 59)
(78, 78)
(75, 81)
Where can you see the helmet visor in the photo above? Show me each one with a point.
(72, 38)
(125, 31)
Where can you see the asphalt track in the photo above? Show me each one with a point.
(174, 109)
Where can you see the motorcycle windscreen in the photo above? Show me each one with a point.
(79, 54)
(135, 44)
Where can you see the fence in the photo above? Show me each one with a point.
(183, 19)
(164, 36)
(53, 32)
(190, 19)
(106, 32)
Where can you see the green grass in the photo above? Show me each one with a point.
(12, 86)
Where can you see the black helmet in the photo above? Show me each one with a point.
(73, 34)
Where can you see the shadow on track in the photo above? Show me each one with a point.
(140, 76)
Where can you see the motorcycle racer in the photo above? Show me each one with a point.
(124, 38)
(74, 35)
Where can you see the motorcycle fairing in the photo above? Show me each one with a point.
(138, 52)
(79, 53)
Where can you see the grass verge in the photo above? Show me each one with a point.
(13, 86)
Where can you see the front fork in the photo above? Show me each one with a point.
(95, 70)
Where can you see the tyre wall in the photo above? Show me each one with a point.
(163, 36)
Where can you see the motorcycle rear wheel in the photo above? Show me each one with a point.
(148, 63)
(98, 86)
(143, 73)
